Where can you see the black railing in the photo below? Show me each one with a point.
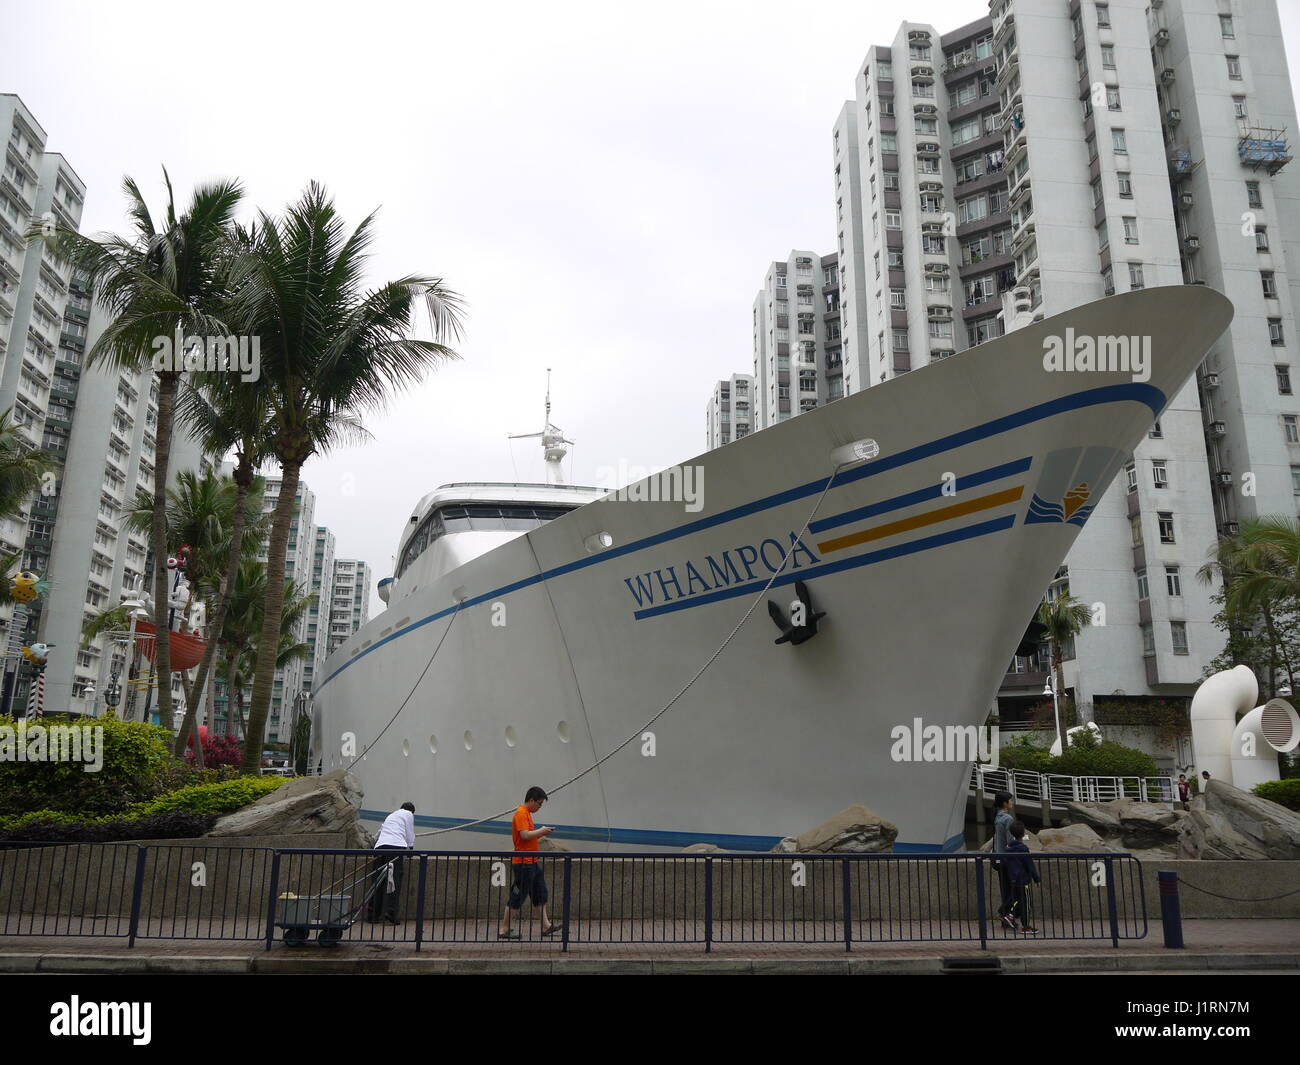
(204, 892)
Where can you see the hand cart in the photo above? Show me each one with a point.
(332, 912)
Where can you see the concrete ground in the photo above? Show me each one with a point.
(1255, 945)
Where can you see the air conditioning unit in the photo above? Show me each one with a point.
(1174, 115)
(1223, 477)
(918, 35)
(1167, 75)
(928, 147)
(1217, 429)
(925, 109)
(1185, 199)
(1192, 243)
(1231, 528)
(1210, 380)
(1162, 36)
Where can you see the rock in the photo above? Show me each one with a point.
(855, 830)
(1071, 839)
(546, 843)
(702, 848)
(789, 845)
(1147, 824)
(304, 806)
(1099, 816)
(1236, 825)
(1031, 841)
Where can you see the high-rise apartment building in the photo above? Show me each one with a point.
(732, 410)
(298, 561)
(350, 606)
(322, 590)
(798, 358)
(1047, 156)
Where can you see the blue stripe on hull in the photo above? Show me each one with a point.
(651, 837)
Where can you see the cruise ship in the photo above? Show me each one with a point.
(534, 634)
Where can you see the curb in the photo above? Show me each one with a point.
(1169, 961)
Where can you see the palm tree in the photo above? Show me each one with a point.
(226, 419)
(157, 283)
(1260, 570)
(22, 469)
(329, 350)
(1062, 618)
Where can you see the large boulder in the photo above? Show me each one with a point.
(1235, 825)
(1071, 839)
(305, 806)
(1136, 825)
(1099, 816)
(789, 845)
(702, 848)
(855, 830)
(1031, 841)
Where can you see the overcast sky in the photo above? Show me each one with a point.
(605, 184)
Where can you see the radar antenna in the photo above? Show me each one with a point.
(553, 440)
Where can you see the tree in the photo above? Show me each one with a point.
(158, 283)
(22, 473)
(1063, 618)
(329, 351)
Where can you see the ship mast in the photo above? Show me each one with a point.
(553, 441)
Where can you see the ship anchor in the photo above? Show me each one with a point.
(802, 611)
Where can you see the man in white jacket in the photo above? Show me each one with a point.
(396, 834)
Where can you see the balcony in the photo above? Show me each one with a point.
(1216, 429)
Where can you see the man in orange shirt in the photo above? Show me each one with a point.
(528, 879)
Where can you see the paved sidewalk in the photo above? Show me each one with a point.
(1254, 944)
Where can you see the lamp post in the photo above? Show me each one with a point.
(135, 610)
(1056, 708)
(88, 692)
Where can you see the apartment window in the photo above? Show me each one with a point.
(887, 105)
(1159, 473)
(926, 125)
(1225, 27)
(900, 339)
(972, 208)
(1135, 526)
(1290, 429)
(1091, 142)
(1144, 591)
(1112, 98)
(1275, 332)
(1156, 432)
(1108, 56)
(891, 181)
(873, 189)
(1268, 284)
(898, 298)
(1096, 192)
(1295, 484)
(1261, 238)
(893, 219)
(1107, 282)
(1135, 279)
(980, 331)
(895, 258)
(1118, 142)
(1103, 235)
(1125, 184)
(926, 165)
(1234, 67)
(1148, 640)
(931, 201)
(1239, 107)
(1173, 581)
(1283, 379)
(1165, 523)
(875, 225)
(1131, 474)
(885, 71)
(1253, 198)
(941, 330)
(877, 258)
(888, 142)
(1086, 100)
(1178, 629)
(1130, 230)
(1103, 14)
(936, 284)
(932, 245)
(967, 130)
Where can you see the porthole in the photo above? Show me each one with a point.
(433, 744)
(406, 748)
(511, 740)
(469, 740)
(563, 729)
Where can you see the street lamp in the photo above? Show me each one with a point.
(88, 692)
(1050, 689)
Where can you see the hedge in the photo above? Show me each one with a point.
(1284, 792)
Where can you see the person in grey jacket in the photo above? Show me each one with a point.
(1004, 804)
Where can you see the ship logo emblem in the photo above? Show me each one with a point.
(1069, 482)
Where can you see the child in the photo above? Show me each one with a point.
(1184, 790)
(1004, 804)
(528, 879)
(1021, 870)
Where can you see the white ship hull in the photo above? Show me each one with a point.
(927, 595)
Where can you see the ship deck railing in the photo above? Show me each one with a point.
(1059, 789)
(205, 892)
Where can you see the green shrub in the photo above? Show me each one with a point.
(135, 758)
(214, 799)
(1283, 792)
(1105, 759)
(1023, 753)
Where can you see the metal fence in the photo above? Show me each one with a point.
(199, 892)
(1025, 785)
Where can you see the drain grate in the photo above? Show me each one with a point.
(991, 964)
